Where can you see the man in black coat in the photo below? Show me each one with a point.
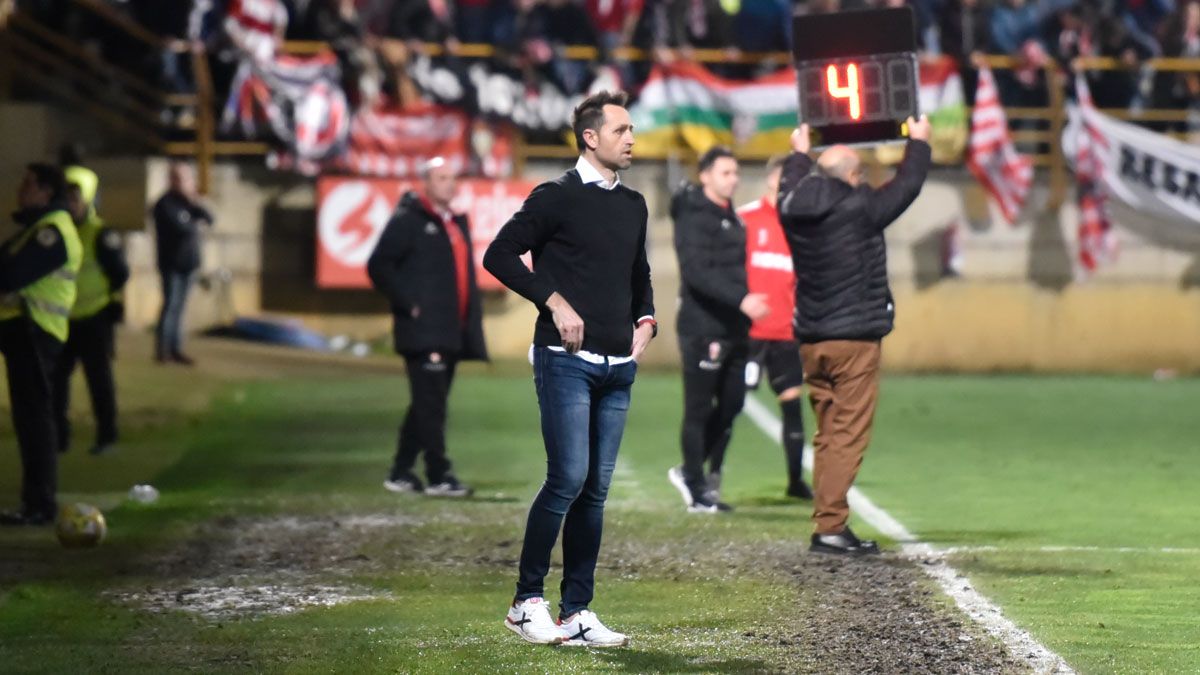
(423, 264)
(715, 312)
(178, 217)
(834, 223)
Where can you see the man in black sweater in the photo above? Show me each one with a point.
(715, 311)
(591, 284)
(424, 266)
(834, 223)
(178, 216)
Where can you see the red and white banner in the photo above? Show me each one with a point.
(991, 155)
(397, 143)
(392, 142)
(1097, 240)
(352, 212)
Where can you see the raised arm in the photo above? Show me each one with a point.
(895, 196)
(803, 195)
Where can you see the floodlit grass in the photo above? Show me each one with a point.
(1013, 464)
(1044, 469)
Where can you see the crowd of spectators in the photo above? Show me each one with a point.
(377, 40)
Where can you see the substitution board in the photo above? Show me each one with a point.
(857, 74)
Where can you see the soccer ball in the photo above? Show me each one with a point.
(80, 526)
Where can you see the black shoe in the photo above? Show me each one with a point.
(800, 490)
(707, 502)
(26, 518)
(843, 543)
(183, 359)
(448, 486)
(714, 496)
(403, 482)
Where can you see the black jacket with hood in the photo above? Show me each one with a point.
(413, 266)
(710, 241)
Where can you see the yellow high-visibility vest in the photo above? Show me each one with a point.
(48, 301)
(93, 290)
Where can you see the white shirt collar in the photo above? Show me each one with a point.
(589, 174)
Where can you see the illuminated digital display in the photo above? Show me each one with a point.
(864, 89)
(857, 74)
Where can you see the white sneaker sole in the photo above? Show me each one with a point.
(557, 640)
(676, 477)
(399, 488)
(600, 645)
(703, 509)
(442, 492)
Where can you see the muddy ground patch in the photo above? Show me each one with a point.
(875, 615)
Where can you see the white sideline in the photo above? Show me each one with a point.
(932, 560)
(1071, 549)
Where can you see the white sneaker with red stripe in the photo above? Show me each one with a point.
(585, 630)
(531, 620)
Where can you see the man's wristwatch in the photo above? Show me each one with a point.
(653, 325)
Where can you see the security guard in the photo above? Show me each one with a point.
(98, 308)
(38, 267)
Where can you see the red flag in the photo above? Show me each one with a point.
(991, 155)
(1097, 240)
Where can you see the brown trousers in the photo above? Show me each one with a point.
(843, 385)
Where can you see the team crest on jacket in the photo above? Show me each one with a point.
(434, 363)
(726, 224)
(713, 361)
(430, 228)
(47, 236)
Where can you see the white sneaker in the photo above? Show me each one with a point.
(585, 630)
(531, 620)
(675, 475)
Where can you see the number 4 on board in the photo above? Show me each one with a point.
(849, 91)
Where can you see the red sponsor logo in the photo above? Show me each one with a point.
(352, 212)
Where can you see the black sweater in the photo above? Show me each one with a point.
(589, 245)
(710, 242)
(835, 232)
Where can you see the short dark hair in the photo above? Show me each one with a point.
(49, 177)
(775, 162)
(589, 114)
(714, 153)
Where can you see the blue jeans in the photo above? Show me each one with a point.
(169, 337)
(583, 408)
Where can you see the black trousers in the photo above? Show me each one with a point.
(29, 357)
(714, 389)
(430, 375)
(91, 341)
